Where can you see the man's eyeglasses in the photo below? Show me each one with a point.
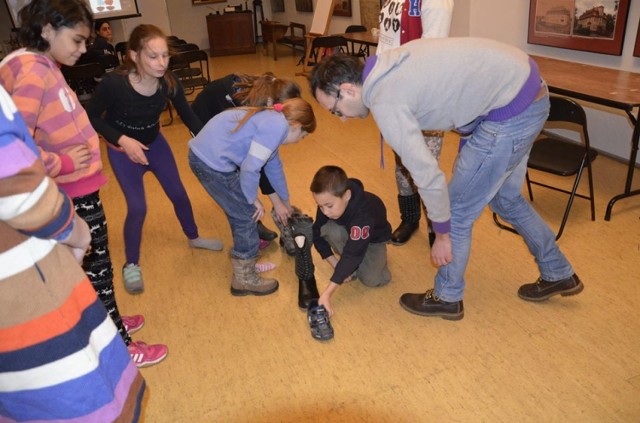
(334, 109)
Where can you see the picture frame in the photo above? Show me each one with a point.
(636, 49)
(304, 5)
(342, 8)
(571, 25)
(277, 6)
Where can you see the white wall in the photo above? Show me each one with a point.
(609, 129)
(189, 22)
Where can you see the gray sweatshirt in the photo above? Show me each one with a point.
(443, 84)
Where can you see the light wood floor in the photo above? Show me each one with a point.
(574, 359)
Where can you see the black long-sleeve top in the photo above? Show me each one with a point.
(365, 220)
(215, 98)
(117, 109)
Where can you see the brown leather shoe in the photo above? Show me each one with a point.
(428, 304)
(542, 290)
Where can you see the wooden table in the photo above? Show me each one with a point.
(608, 87)
(363, 37)
(271, 32)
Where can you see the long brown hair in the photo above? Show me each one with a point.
(295, 110)
(264, 90)
(138, 40)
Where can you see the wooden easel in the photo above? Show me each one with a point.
(319, 28)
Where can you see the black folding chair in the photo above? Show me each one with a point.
(561, 156)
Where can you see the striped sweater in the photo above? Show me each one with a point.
(55, 119)
(61, 357)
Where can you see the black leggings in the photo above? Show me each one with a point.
(97, 261)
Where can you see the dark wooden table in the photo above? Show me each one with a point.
(608, 87)
(363, 37)
(271, 32)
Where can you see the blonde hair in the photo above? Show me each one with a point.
(264, 90)
(295, 110)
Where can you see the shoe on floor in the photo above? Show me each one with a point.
(542, 290)
(132, 277)
(266, 233)
(319, 323)
(133, 323)
(144, 355)
(403, 232)
(263, 244)
(206, 244)
(428, 304)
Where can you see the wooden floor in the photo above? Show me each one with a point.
(574, 359)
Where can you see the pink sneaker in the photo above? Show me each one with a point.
(263, 244)
(144, 355)
(133, 323)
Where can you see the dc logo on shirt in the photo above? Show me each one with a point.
(359, 233)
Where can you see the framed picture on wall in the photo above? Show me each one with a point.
(304, 6)
(579, 25)
(636, 49)
(277, 6)
(342, 8)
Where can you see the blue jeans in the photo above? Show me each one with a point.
(225, 189)
(490, 169)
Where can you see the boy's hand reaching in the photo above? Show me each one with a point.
(325, 300)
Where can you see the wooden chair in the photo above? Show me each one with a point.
(296, 36)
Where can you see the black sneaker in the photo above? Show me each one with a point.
(319, 323)
(428, 304)
(542, 290)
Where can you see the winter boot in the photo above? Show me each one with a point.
(265, 233)
(246, 280)
(286, 236)
(410, 215)
(308, 290)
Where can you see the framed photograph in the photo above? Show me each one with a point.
(304, 5)
(277, 6)
(636, 49)
(342, 8)
(579, 24)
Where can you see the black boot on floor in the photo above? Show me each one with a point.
(428, 304)
(542, 290)
(307, 288)
(265, 233)
(410, 215)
